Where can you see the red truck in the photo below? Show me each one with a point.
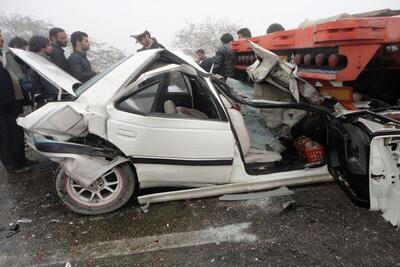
(342, 55)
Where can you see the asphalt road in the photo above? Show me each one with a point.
(321, 228)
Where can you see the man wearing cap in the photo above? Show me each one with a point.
(147, 41)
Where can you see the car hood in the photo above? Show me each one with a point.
(47, 70)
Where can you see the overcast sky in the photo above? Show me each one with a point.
(113, 21)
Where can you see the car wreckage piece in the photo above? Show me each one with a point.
(275, 79)
(117, 123)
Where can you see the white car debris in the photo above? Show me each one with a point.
(156, 120)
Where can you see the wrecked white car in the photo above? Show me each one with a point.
(157, 120)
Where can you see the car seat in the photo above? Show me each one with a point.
(251, 155)
(171, 108)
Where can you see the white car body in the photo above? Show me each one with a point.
(170, 150)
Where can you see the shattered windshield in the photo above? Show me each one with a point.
(83, 87)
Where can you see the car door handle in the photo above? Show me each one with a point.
(126, 133)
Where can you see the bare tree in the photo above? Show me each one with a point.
(22, 26)
(101, 54)
(203, 35)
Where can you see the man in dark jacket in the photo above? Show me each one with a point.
(223, 60)
(78, 62)
(59, 39)
(147, 41)
(19, 73)
(204, 62)
(42, 89)
(12, 147)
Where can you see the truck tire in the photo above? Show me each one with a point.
(108, 193)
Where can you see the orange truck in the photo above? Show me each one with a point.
(341, 56)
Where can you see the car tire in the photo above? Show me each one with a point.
(108, 193)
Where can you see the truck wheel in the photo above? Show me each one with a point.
(108, 193)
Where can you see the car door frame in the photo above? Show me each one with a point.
(213, 152)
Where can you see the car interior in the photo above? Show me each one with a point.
(264, 161)
(179, 95)
(173, 94)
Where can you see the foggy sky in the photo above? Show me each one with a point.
(113, 21)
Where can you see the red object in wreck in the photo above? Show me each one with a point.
(349, 51)
(309, 150)
(314, 154)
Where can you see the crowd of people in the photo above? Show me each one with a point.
(21, 86)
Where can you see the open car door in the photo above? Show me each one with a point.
(364, 158)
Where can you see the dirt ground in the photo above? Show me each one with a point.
(320, 228)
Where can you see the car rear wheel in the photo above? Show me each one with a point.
(108, 193)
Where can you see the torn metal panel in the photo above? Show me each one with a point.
(279, 119)
(282, 75)
(277, 80)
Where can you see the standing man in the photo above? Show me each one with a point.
(244, 33)
(59, 39)
(19, 73)
(43, 90)
(78, 62)
(223, 60)
(147, 41)
(12, 147)
(204, 62)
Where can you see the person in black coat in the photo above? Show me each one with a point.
(78, 62)
(223, 60)
(59, 39)
(42, 89)
(204, 62)
(12, 146)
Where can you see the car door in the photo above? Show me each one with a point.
(364, 158)
(170, 148)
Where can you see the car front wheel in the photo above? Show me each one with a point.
(108, 193)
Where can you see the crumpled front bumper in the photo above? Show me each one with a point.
(83, 163)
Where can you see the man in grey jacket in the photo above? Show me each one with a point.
(78, 62)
